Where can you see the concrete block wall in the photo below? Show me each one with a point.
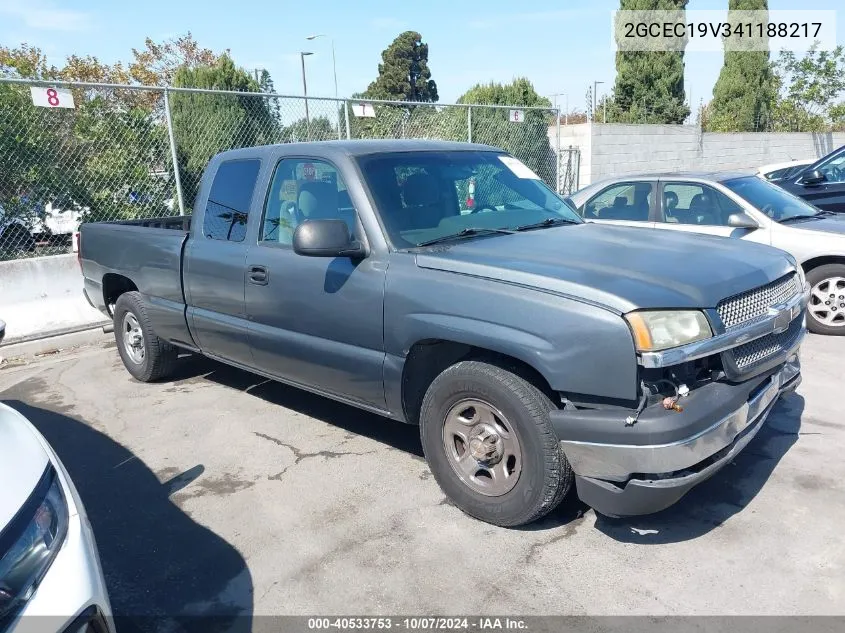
(42, 296)
(617, 149)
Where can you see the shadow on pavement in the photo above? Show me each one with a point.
(161, 567)
(729, 491)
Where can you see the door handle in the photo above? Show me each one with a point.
(258, 275)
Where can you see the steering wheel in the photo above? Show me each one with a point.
(837, 174)
(769, 210)
(482, 208)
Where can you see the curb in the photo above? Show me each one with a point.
(55, 342)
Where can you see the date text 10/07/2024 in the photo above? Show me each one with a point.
(477, 624)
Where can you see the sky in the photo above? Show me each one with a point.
(561, 47)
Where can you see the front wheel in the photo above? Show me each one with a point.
(826, 310)
(489, 443)
(145, 355)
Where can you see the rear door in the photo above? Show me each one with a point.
(214, 263)
(315, 321)
(624, 203)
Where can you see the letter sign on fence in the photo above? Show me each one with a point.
(52, 97)
(363, 110)
(517, 116)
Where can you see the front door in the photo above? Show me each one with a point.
(315, 321)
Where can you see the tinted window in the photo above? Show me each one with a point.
(626, 201)
(691, 203)
(304, 189)
(426, 195)
(834, 168)
(228, 202)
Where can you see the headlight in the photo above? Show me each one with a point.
(801, 278)
(657, 330)
(30, 542)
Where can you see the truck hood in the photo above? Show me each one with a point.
(22, 462)
(620, 268)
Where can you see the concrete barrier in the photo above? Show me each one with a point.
(42, 296)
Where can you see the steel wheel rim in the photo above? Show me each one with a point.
(133, 338)
(827, 302)
(482, 447)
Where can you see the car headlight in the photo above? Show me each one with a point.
(656, 330)
(30, 542)
(801, 278)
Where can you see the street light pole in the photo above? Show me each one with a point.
(302, 55)
(334, 73)
(595, 100)
(566, 112)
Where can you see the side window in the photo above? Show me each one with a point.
(834, 169)
(228, 202)
(301, 190)
(626, 201)
(691, 203)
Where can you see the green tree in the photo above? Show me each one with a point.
(743, 93)
(205, 124)
(321, 129)
(649, 86)
(404, 74)
(527, 140)
(810, 91)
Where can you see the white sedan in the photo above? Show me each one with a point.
(49, 565)
(736, 205)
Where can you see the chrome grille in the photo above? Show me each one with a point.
(754, 304)
(761, 349)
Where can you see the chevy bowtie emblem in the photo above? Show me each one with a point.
(783, 317)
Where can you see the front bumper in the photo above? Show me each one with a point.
(630, 470)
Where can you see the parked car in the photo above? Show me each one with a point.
(15, 233)
(778, 171)
(527, 344)
(734, 205)
(821, 183)
(49, 565)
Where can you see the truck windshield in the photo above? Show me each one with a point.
(424, 196)
(778, 204)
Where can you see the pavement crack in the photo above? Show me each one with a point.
(300, 455)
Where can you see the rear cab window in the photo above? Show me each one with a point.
(227, 209)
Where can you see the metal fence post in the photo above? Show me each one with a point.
(173, 155)
(557, 118)
(469, 124)
(346, 114)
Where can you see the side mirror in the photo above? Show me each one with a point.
(2, 331)
(813, 177)
(326, 238)
(742, 220)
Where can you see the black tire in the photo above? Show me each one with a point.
(159, 357)
(545, 475)
(16, 238)
(815, 277)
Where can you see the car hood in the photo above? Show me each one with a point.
(22, 462)
(828, 224)
(621, 268)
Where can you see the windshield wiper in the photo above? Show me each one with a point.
(542, 224)
(467, 232)
(793, 218)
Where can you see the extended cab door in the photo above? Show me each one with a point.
(214, 261)
(315, 321)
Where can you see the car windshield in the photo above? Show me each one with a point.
(778, 204)
(427, 196)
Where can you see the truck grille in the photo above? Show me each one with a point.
(761, 349)
(754, 304)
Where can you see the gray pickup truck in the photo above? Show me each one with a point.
(445, 285)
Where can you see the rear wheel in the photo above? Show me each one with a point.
(145, 355)
(826, 310)
(489, 443)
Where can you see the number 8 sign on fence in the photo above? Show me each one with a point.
(52, 97)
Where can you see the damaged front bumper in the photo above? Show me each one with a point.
(631, 470)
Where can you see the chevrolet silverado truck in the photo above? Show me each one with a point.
(445, 285)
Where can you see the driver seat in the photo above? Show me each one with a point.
(421, 196)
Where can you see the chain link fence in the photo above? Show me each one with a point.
(95, 152)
